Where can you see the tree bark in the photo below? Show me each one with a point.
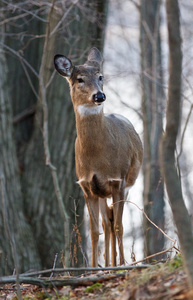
(152, 101)
(11, 203)
(168, 146)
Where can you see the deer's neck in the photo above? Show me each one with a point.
(90, 124)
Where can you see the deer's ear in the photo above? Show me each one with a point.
(63, 65)
(95, 56)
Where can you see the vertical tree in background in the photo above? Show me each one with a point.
(72, 29)
(152, 102)
(168, 146)
(12, 216)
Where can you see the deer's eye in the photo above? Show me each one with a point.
(80, 80)
(100, 77)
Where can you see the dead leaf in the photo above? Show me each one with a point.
(126, 295)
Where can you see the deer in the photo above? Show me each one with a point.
(108, 153)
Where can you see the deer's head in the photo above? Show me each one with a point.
(86, 81)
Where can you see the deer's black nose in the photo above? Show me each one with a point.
(99, 97)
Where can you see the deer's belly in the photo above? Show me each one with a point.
(98, 186)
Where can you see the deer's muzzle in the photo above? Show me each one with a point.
(99, 97)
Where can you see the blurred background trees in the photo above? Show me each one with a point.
(152, 110)
(34, 216)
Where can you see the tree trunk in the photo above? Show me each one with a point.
(152, 98)
(79, 31)
(11, 204)
(173, 185)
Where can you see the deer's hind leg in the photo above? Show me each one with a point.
(108, 227)
(113, 239)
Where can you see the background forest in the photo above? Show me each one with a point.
(42, 215)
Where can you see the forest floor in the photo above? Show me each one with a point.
(157, 282)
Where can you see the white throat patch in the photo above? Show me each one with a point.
(85, 110)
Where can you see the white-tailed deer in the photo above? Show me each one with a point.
(108, 152)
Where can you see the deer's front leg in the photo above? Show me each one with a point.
(106, 215)
(93, 208)
(118, 204)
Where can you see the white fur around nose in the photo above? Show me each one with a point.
(85, 110)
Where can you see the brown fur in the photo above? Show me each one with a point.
(108, 154)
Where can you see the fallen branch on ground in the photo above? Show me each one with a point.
(72, 281)
(61, 270)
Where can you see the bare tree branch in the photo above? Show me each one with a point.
(29, 79)
(174, 241)
(137, 5)
(61, 20)
(14, 6)
(185, 126)
(137, 111)
(21, 58)
(11, 19)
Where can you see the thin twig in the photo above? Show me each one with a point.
(54, 266)
(149, 220)
(25, 10)
(147, 31)
(51, 78)
(156, 254)
(137, 111)
(21, 58)
(11, 19)
(137, 5)
(29, 79)
(184, 131)
(24, 114)
(61, 21)
(31, 39)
